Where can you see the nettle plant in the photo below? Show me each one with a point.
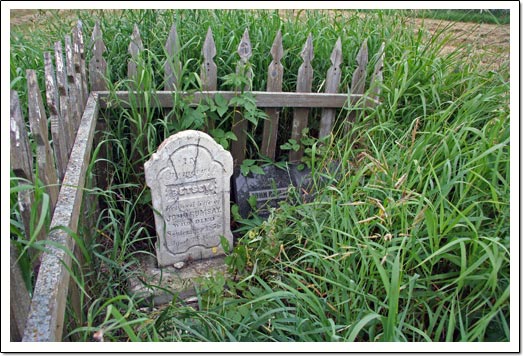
(217, 114)
(314, 149)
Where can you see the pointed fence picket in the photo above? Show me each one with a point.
(358, 80)
(208, 73)
(97, 64)
(173, 65)
(274, 85)
(135, 47)
(331, 86)
(239, 123)
(303, 85)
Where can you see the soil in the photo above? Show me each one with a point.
(490, 43)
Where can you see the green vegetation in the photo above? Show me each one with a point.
(492, 16)
(406, 240)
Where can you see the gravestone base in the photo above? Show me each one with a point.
(161, 285)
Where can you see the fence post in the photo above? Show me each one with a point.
(44, 152)
(377, 75)
(358, 80)
(135, 47)
(65, 106)
(19, 298)
(274, 84)
(332, 83)
(59, 134)
(239, 123)
(74, 94)
(97, 64)
(208, 73)
(303, 85)
(79, 63)
(173, 65)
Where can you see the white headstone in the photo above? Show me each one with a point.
(189, 177)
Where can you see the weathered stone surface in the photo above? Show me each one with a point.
(269, 189)
(189, 177)
(160, 285)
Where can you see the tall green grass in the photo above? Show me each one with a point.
(407, 239)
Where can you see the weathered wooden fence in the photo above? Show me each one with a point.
(61, 168)
(73, 113)
(272, 100)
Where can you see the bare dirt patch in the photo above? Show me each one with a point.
(490, 44)
(29, 19)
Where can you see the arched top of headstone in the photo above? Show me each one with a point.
(194, 138)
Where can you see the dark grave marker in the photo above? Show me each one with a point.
(268, 189)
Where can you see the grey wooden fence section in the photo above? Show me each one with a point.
(73, 113)
(273, 99)
(62, 168)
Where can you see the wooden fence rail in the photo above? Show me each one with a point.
(73, 113)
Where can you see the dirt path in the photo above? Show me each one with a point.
(490, 43)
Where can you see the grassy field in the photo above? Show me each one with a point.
(497, 16)
(407, 240)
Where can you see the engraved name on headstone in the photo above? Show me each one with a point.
(189, 177)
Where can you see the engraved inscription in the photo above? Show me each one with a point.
(270, 194)
(266, 198)
(193, 209)
(202, 187)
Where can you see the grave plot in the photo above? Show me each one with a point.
(190, 174)
(189, 178)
